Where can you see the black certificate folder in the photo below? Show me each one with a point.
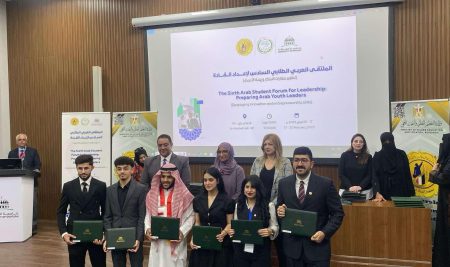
(246, 232)
(165, 227)
(205, 237)
(87, 231)
(299, 222)
(121, 238)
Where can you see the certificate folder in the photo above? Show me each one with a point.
(205, 237)
(121, 238)
(87, 231)
(165, 227)
(299, 222)
(246, 232)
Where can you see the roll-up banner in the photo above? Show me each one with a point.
(131, 130)
(418, 127)
(86, 133)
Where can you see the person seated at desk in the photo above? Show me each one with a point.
(391, 174)
(355, 167)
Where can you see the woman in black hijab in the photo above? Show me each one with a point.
(441, 175)
(391, 174)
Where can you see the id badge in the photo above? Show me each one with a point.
(249, 248)
(162, 211)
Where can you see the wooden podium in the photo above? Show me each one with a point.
(16, 205)
(379, 234)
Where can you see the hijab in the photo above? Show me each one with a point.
(226, 167)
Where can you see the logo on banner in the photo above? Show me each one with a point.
(289, 45)
(189, 123)
(74, 121)
(265, 45)
(84, 121)
(420, 165)
(418, 111)
(244, 47)
(134, 119)
(6, 211)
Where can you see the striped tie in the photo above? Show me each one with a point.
(164, 161)
(301, 192)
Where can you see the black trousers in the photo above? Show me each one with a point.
(303, 262)
(280, 253)
(77, 255)
(119, 257)
(260, 258)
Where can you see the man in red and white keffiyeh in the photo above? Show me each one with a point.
(169, 197)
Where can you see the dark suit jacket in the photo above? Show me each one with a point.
(83, 206)
(133, 212)
(31, 160)
(321, 197)
(152, 166)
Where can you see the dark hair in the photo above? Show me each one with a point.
(364, 151)
(214, 172)
(165, 136)
(84, 159)
(303, 150)
(123, 160)
(137, 153)
(261, 205)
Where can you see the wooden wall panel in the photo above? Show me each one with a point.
(422, 50)
(53, 44)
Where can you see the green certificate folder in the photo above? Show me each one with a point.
(121, 238)
(299, 222)
(246, 232)
(165, 227)
(205, 237)
(87, 231)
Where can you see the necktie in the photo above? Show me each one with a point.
(164, 161)
(84, 184)
(301, 192)
(22, 154)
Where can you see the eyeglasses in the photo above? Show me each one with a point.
(222, 151)
(301, 160)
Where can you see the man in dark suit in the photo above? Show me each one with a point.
(125, 207)
(85, 197)
(153, 164)
(306, 191)
(30, 161)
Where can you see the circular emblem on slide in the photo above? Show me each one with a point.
(74, 121)
(84, 121)
(265, 45)
(244, 47)
(420, 165)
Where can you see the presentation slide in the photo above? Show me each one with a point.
(313, 79)
(296, 79)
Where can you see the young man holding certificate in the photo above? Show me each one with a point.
(125, 209)
(305, 191)
(86, 197)
(168, 202)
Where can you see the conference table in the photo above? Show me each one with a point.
(380, 234)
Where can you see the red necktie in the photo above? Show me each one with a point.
(301, 192)
(22, 154)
